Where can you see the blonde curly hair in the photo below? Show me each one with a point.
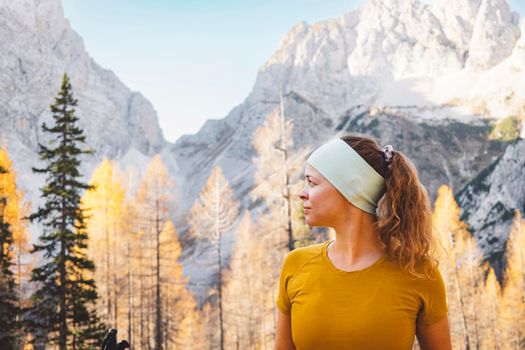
(404, 220)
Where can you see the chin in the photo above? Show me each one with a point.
(311, 222)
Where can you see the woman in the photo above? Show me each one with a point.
(376, 285)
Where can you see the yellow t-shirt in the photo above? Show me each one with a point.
(373, 308)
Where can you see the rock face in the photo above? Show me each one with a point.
(37, 46)
(425, 63)
(432, 80)
(490, 199)
(493, 35)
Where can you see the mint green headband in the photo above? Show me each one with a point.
(349, 173)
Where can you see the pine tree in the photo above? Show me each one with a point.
(8, 301)
(63, 304)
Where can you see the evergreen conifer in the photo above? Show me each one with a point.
(63, 310)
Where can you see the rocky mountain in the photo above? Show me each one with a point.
(489, 200)
(443, 83)
(37, 46)
(435, 81)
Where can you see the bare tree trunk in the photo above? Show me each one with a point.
(286, 178)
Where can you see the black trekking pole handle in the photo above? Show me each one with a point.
(110, 342)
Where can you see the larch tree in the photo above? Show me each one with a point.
(22, 262)
(489, 312)
(448, 226)
(154, 205)
(105, 205)
(209, 330)
(241, 296)
(141, 284)
(471, 279)
(9, 309)
(15, 210)
(190, 328)
(212, 216)
(129, 292)
(280, 223)
(513, 303)
(177, 302)
(266, 260)
(272, 142)
(170, 276)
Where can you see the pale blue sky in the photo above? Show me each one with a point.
(194, 60)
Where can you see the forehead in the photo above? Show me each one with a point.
(311, 171)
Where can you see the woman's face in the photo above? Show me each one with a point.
(322, 203)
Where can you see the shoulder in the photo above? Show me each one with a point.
(432, 293)
(432, 282)
(299, 256)
(427, 271)
(430, 269)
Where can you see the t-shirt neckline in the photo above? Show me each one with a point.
(328, 262)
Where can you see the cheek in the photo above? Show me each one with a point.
(319, 215)
(326, 201)
(314, 196)
(318, 199)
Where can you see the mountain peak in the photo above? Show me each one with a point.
(495, 33)
(35, 14)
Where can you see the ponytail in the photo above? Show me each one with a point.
(404, 217)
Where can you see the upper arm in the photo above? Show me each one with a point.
(283, 332)
(435, 336)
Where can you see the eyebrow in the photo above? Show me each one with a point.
(309, 176)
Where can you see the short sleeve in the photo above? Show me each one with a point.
(283, 301)
(434, 306)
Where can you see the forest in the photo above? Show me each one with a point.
(109, 254)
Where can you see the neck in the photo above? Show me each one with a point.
(356, 240)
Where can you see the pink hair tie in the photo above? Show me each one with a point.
(387, 150)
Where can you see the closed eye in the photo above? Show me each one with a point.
(307, 178)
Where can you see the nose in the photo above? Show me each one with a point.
(303, 195)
